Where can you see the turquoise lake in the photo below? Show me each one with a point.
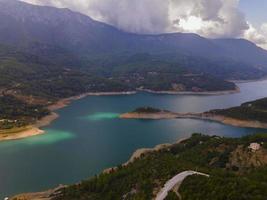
(89, 137)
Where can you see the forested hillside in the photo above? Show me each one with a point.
(48, 53)
(255, 110)
(236, 172)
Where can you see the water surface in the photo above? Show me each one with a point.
(88, 137)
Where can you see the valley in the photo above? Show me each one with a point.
(92, 124)
(81, 99)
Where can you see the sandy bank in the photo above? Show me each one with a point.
(236, 90)
(34, 130)
(233, 121)
(155, 116)
(29, 131)
(224, 120)
(201, 116)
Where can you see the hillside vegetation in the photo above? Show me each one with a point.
(39, 80)
(16, 113)
(28, 84)
(236, 172)
(255, 110)
(48, 53)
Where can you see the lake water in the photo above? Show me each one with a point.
(88, 137)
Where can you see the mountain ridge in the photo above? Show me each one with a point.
(81, 34)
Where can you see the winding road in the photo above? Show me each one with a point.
(178, 179)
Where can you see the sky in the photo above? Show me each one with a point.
(255, 10)
(209, 18)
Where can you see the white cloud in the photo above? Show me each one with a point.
(217, 18)
(257, 36)
(209, 18)
(139, 16)
(213, 18)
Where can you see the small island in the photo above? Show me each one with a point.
(251, 114)
(149, 113)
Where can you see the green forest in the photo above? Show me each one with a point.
(255, 110)
(16, 113)
(37, 80)
(236, 172)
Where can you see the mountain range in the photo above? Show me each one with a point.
(43, 42)
(25, 26)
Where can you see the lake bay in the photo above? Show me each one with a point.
(89, 137)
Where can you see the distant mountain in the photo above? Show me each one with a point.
(43, 29)
(66, 53)
(244, 50)
(28, 26)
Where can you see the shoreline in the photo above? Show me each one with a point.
(31, 130)
(136, 154)
(200, 116)
(236, 90)
(233, 121)
(46, 195)
(224, 120)
(248, 81)
(35, 129)
(142, 151)
(66, 101)
(152, 116)
(28, 132)
(139, 152)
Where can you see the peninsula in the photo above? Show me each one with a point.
(251, 114)
(28, 118)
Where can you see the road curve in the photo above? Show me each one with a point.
(169, 185)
